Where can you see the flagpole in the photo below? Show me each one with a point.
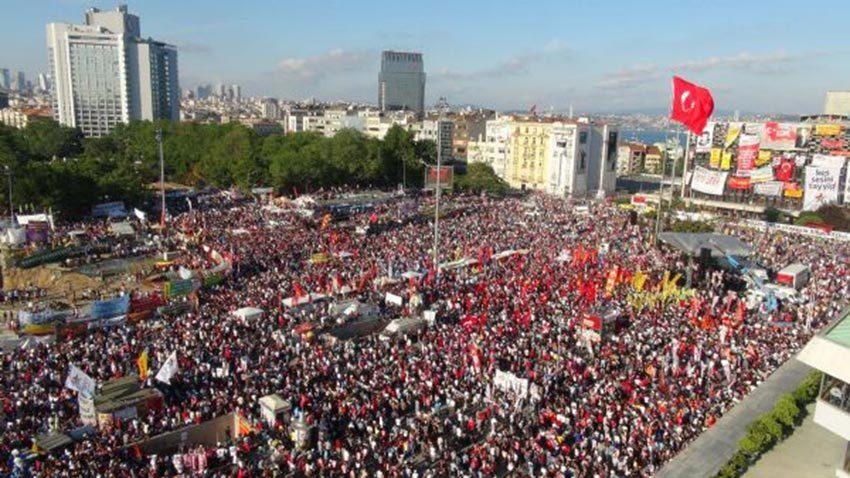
(663, 172)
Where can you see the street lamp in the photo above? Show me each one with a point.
(11, 207)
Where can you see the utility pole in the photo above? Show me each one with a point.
(441, 106)
(161, 178)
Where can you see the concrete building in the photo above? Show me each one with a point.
(602, 164)
(269, 109)
(653, 159)
(4, 99)
(20, 118)
(235, 93)
(492, 147)
(837, 103)
(104, 73)
(401, 82)
(467, 126)
(5, 78)
(19, 82)
(829, 352)
(203, 92)
(441, 132)
(630, 158)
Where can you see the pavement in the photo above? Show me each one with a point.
(705, 456)
(810, 452)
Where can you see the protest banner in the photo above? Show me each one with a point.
(102, 309)
(79, 381)
(821, 186)
(707, 181)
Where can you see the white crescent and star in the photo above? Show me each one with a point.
(687, 106)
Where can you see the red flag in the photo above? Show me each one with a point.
(692, 105)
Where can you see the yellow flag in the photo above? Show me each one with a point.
(638, 280)
(142, 363)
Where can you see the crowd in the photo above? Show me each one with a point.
(426, 404)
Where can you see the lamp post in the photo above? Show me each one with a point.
(161, 178)
(11, 206)
(441, 105)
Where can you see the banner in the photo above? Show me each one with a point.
(748, 151)
(780, 136)
(726, 161)
(769, 188)
(109, 209)
(37, 232)
(764, 157)
(804, 136)
(762, 174)
(828, 129)
(705, 139)
(832, 144)
(792, 190)
(821, 186)
(714, 158)
(786, 169)
(446, 177)
(140, 215)
(509, 382)
(394, 299)
(79, 381)
(732, 134)
(739, 183)
(828, 161)
(102, 309)
(168, 369)
(178, 288)
(708, 181)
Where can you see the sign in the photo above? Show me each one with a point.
(804, 136)
(394, 299)
(821, 186)
(769, 188)
(103, 309)
(88, 415)
(792, 190)
(786, 169)
(828, 129)
(178, 288)
(763, 158)
(168, 369)
(509, 382)
(707, 181)
(732, 134)
(445, 176)
(762, 174)
(739, 183)
(714, 158)
(828, 161)
(778, 136)
(79, 381)
(37, 232)
(726, 161)
(748, 151)
(705, 139)
(832, 143)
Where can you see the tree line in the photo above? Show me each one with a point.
(54, 166)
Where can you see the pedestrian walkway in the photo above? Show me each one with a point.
(712, 449)
(811, 451)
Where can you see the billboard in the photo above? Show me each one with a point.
(769, 188)
(707, 181)
(445, 177)
(821, 186)
(781, 136)
(748, 151)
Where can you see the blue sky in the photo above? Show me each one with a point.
(763, 56)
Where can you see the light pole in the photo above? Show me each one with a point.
(440, 107)
(11, 207)
(161, 178)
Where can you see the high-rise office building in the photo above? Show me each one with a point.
(401, 82)
(5, 78)
(104, 73)
(235, 92)
(43, 82)
(19, 81)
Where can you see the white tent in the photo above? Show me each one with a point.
(248, 313)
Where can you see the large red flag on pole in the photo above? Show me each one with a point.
(692, 105)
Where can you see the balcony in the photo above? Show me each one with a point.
(833, 407)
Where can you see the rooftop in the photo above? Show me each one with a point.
(840, 332)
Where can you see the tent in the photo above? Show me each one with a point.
(690, 243)
(404, 326)
(271, 407)
(248, 313)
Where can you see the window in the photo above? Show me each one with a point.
(582, 137)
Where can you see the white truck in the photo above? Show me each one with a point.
(795, 275)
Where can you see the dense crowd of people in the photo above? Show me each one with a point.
(426, 404)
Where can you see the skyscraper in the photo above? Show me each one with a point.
(104, 73)
(19, 81)
(5, 78)
(401, 82)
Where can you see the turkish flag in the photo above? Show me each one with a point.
(692, 105)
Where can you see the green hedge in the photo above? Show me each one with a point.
(772, 427)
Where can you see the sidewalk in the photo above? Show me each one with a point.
(713, 448)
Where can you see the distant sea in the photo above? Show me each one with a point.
(648, 136)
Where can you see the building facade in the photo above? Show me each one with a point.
(401, 82)
(440, 131)
(630, 158)
(105, 74)
(837, 103)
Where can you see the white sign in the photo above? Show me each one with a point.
(821, 186)
(762, 174)
(827, 161)
(394, 299)
(705, 139)
(707, 181)
(79, 381)
(509, 382)
(168, 369)
(768, 188)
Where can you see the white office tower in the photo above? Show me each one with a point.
(104, 73)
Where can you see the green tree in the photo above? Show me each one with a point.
(45, 139)
(480, 177)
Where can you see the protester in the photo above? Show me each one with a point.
(426, 404)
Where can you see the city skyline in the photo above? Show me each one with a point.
(505, 56)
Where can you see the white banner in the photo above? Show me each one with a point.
(394, 299)
(168, 369)
(509, 382)
(79, 381)
(762, 174)
(769, 188)
(140, 214)
(821, 186)
(705, 139)
(708, 181)
(827, 161)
